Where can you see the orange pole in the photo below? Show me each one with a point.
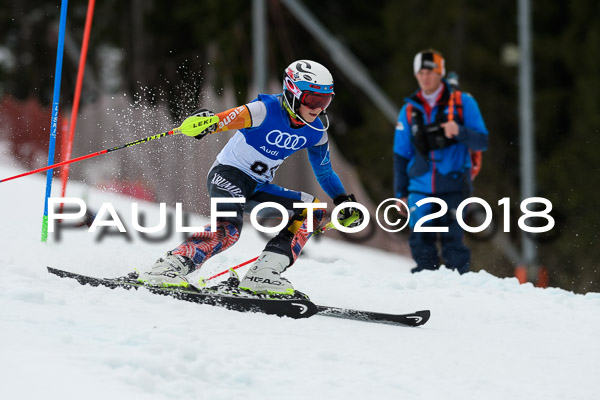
(77, 96)
(543, 279)
(521, 273)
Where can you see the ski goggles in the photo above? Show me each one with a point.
(314, 100)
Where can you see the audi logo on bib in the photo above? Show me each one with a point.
(285, 140)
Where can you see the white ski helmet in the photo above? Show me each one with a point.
(309, 83)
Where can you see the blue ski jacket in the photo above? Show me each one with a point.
(441, 169)
(259, 151)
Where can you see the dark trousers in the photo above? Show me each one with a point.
(424, 245)
(228, 182)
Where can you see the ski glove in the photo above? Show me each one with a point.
(348, 211)
(203, 112)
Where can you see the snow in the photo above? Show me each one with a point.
(488, 338)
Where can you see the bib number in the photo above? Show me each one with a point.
(260, 168)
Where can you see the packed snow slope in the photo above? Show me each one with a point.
(488, 338)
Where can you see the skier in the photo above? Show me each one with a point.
(268, 130)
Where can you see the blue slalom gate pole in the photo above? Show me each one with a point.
(54, 119)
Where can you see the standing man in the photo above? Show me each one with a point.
(438, 129)
(268, 130)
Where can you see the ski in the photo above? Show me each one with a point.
(417, 318)
(293, 308)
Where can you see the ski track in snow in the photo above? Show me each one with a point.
(488, 338)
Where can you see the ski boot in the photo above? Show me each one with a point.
(169, 271)
(264, 276)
